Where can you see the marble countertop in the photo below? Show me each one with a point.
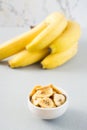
(24, 13)
(15, 84)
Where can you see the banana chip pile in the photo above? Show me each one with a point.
(47, 97)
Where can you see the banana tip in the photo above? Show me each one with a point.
(11, 65)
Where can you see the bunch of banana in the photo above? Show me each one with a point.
(47, 97)
(55, 32)
(64, 47)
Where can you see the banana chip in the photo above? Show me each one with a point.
(46, 103)
(59, 99)
(34, 90)
(35, 99)
(44, 92)
(56, 90)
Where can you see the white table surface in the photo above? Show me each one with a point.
(15, 84)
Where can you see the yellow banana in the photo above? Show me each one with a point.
(17, 44)
(25, 58)
(56, 24)
(57, 59)
(70, 35)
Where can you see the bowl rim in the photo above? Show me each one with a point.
(54, 108)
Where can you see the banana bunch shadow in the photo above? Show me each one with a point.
(55, 33)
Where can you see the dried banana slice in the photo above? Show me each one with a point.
(59, 99)
(44, 92)
(35, 99)
(55, 89)
(46, 103)
(35, 89)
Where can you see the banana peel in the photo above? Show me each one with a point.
(17, 44)
(67, 39)
(56, 25)
(25, 58)
(58, 59)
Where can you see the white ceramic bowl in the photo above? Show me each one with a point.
(49, 113)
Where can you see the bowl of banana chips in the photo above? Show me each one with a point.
(47, 102)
